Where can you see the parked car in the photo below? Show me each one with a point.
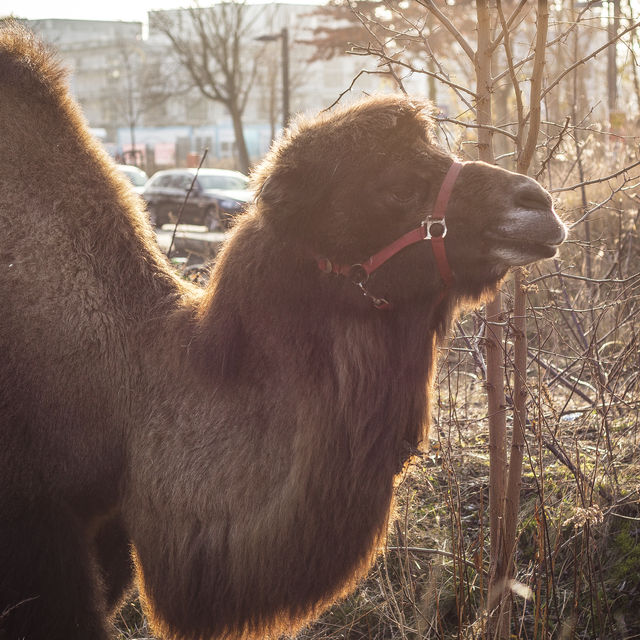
(217, 196)
(137, 176)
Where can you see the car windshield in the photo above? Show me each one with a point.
(137, 178)
(224, 183)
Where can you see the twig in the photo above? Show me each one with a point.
(368, 50)
(560, 378)
(473, 347)
(551, 43)
(445, 554)
(555, 147)
(506, 25)
(588, 213)
(473, 125)
(184, 202)
(448, 25)
(353, 81)
(586, 183)
(593, 54)
(571, 276)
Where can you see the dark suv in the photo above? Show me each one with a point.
(216, 197)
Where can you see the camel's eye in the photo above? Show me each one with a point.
(401, 195)
(399, 187)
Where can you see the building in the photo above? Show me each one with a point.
(94, 52)
(140, 102)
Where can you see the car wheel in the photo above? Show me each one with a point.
(213, 219)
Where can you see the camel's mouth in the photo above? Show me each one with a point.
(517, 253)
(526, 236)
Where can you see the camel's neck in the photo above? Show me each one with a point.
(316, 411)
(272, 313)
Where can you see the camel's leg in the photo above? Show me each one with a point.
(113, 553)
(49, 582)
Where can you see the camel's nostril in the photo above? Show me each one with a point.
(532, 196)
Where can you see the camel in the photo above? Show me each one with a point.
(234, 448)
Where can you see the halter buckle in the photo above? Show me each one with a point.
(379, 303)
(434, 227)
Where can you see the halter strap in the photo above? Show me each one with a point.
(433, 228)
(439, 211)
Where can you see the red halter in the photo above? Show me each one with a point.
(433, 228)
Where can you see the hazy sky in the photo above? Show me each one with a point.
(109, 10)
(91, 10)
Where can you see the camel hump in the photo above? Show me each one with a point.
(26, 63)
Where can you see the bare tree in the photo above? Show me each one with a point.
(137, 85)
(213, 46)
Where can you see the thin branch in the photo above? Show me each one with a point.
(184, 202)
(593, 54)
(536, 94)
(473, 125)
(554, 148)
(562, 274)
(475, 351)
(353, 81)
(598, 180)
(560, 376)
(507, 24)
(514, 78)
(549, 44)
(439, 552)
(361, 50)
(448, 25)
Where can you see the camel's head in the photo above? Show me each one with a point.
(347, 184)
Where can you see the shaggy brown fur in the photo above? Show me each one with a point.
(244, 440)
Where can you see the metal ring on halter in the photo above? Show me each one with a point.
(429, 223)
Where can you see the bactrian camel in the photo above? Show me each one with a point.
(233, 448)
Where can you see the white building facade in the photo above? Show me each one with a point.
(126, 85)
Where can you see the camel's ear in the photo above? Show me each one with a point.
(271, 192)
(279, 189)
(280, 196)
(292, 202)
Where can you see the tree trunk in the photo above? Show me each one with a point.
(241, 145)
(612, 67)
(634, 57)
(132, 134)
(494, 337)
(502, 558)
